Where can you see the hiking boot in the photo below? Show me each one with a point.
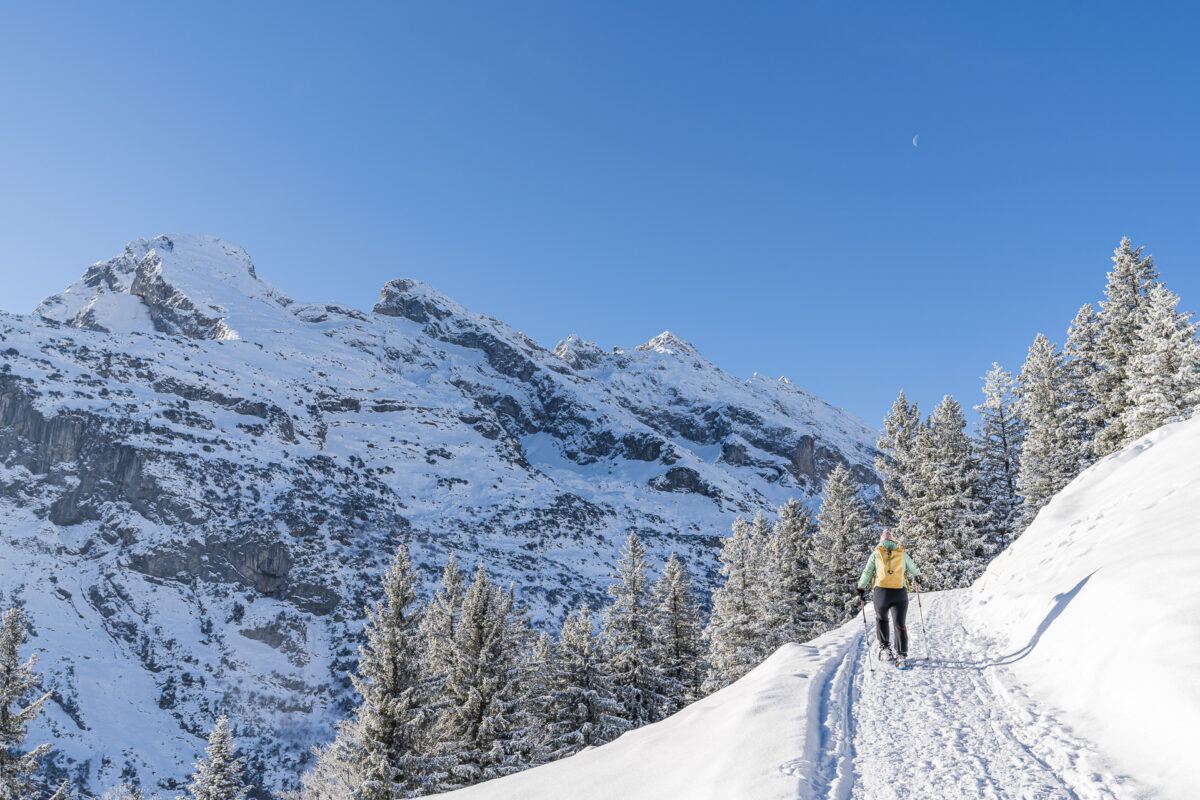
(885, 654)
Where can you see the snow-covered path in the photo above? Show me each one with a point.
(954, 726)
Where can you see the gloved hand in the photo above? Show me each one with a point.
(861, 591)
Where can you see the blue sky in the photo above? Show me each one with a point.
(741, 174)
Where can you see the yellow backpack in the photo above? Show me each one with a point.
(889, 567)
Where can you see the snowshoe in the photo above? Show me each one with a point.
(885, 654)
(902, 662)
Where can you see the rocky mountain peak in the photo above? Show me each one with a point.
(579, 353)
(667, 342)
(416, 300)
(191, 285)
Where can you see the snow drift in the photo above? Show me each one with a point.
(1095, 605)
(758, 738)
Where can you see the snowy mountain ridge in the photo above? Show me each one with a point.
(201, 480)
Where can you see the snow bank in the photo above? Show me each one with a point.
(1097, 606)
(759, 738)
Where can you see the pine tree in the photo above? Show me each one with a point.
(1163, 373)
(734, 627)
(19, 705)
(1082, 363)
(481, 730)
(583, 702)
(942, 517)
(676, 635)
(1047, 460)
(627, 639)
(218, 775)
(1121, 316)
(393, 718)
(840, 548)
(893, 463)
(786, 596)
(998, 455)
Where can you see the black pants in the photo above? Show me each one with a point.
(896, 601)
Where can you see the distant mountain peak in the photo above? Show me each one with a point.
(192, 285)
(667, 342)
(415, 300)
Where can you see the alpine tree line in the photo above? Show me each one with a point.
(459, 689)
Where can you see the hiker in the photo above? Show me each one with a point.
(887, 568)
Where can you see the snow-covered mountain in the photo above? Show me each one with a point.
(201, 480)
(1071, 669)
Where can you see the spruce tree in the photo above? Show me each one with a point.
(942, 517)
(393, 717)
(1082, 375)
(1121, 316)
(336, 770)
(840, 548)
(893, 463)
(438, 624)
(998, 456)
(786, 595)
(19, 705)
(1163, 373)
(218, 775)
(1048, 462)
(481, 730)
(734, 627)
(583, 701)
(676, 634)
(628, 642)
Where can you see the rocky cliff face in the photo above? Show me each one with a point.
(201, 480)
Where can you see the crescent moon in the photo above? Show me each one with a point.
(915, 140)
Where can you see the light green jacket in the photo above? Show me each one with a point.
(868, 573)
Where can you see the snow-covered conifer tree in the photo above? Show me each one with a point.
(218, 776)
(336, 770)
(1163, 373)
(481, 730)
(627, 639)
(1082, 363)
(893, 463)
(1048, 462)
(1121, 315)
(940, 521)
(786, 596)
(677, 633)
(393, 717)
(19, 705)
(840, 547)
(735, 624)
(999, 448)
(583, 702)
(438, 624)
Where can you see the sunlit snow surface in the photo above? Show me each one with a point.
(1071, 669)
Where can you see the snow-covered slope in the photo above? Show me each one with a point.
(201, 480)
(1070, 670)
(759, 738)
(1096, 608)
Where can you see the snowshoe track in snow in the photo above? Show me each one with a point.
(954, 726)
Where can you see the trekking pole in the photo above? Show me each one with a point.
(924, 635)
(867, 633)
